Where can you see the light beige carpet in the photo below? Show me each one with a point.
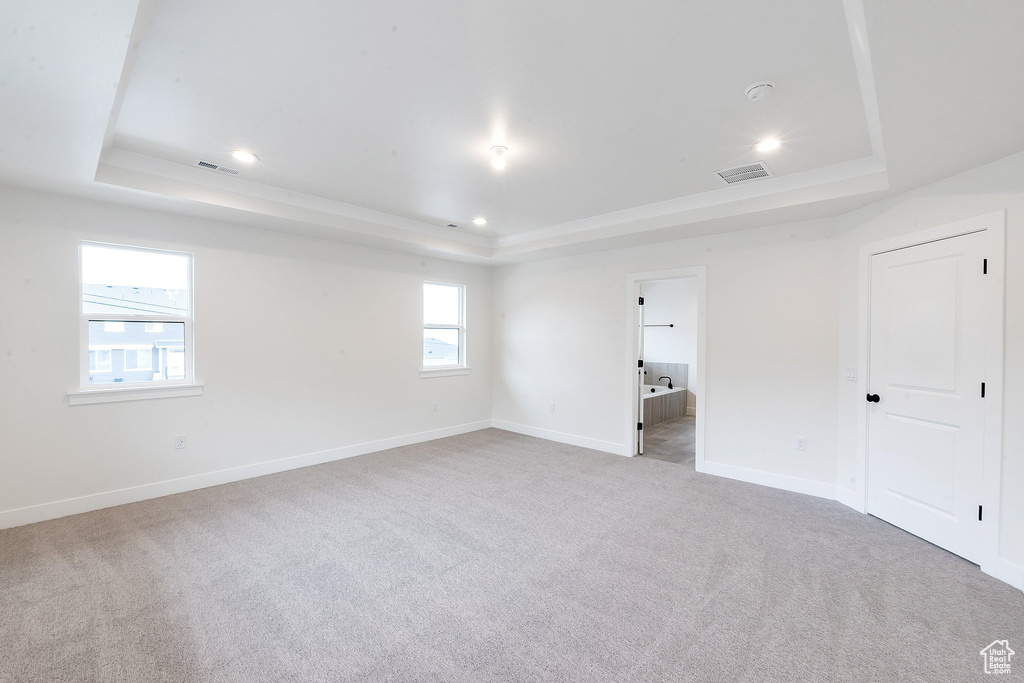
(492, 557)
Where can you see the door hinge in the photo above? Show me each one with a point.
(641, 301)
(983, 390)
(979, 513)
(639, 426)
(640, 363)
(984, 267)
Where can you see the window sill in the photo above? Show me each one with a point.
(442, 372)
(77, 398)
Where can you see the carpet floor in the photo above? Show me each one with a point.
(492, 557)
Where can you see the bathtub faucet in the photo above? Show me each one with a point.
(669, 380)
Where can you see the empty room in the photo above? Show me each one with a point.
(524, 341)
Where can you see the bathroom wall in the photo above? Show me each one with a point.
(679, 372)
(673, 301)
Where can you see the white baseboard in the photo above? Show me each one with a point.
(561, 437)
(1006, 571)
(850, 499)
(775, 481)
(98, 501)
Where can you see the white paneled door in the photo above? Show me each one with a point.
(925, 407)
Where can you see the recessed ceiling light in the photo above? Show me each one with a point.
(242, 155)
(498, 156)
(479, 221)
(767, 145)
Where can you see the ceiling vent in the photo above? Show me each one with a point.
(738, 174)
(209, 165)
(453, 226)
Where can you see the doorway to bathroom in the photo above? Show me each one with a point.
(667, 366)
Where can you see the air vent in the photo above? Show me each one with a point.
(741, 173)
(215, 167)
(453, 226)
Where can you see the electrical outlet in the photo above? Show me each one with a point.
(179, 442)
(551, 408)
(434, 408)
(801, 443)
(851, 374)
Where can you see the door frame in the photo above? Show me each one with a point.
(994, 224)
(633, 282)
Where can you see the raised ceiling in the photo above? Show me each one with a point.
(373, 120)
(394, 106)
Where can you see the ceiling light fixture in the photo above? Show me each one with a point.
(242, 155)
(498, 156)
(480, 221)
(767, 145)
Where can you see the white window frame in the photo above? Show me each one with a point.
(460, 368)
(146, 389)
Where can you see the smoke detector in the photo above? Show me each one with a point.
(498, 156)
(761, 90)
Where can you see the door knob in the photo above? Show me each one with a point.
(874, 398)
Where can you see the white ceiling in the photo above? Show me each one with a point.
(373, 120)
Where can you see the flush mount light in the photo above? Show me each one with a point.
(767, 145)
(498, 156)
(242, 155)
(479, 221)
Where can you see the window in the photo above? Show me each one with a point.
(136, 317)
(444, 326)
(138, 359)
(99, 360)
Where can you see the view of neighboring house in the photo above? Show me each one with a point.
(134, 350)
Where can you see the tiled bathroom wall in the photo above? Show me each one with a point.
(677, 371)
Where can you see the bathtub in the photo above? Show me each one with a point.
(652, 390)
(662, 404)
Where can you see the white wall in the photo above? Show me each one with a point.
(675, 302)
(304, 346)
(563, 334)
